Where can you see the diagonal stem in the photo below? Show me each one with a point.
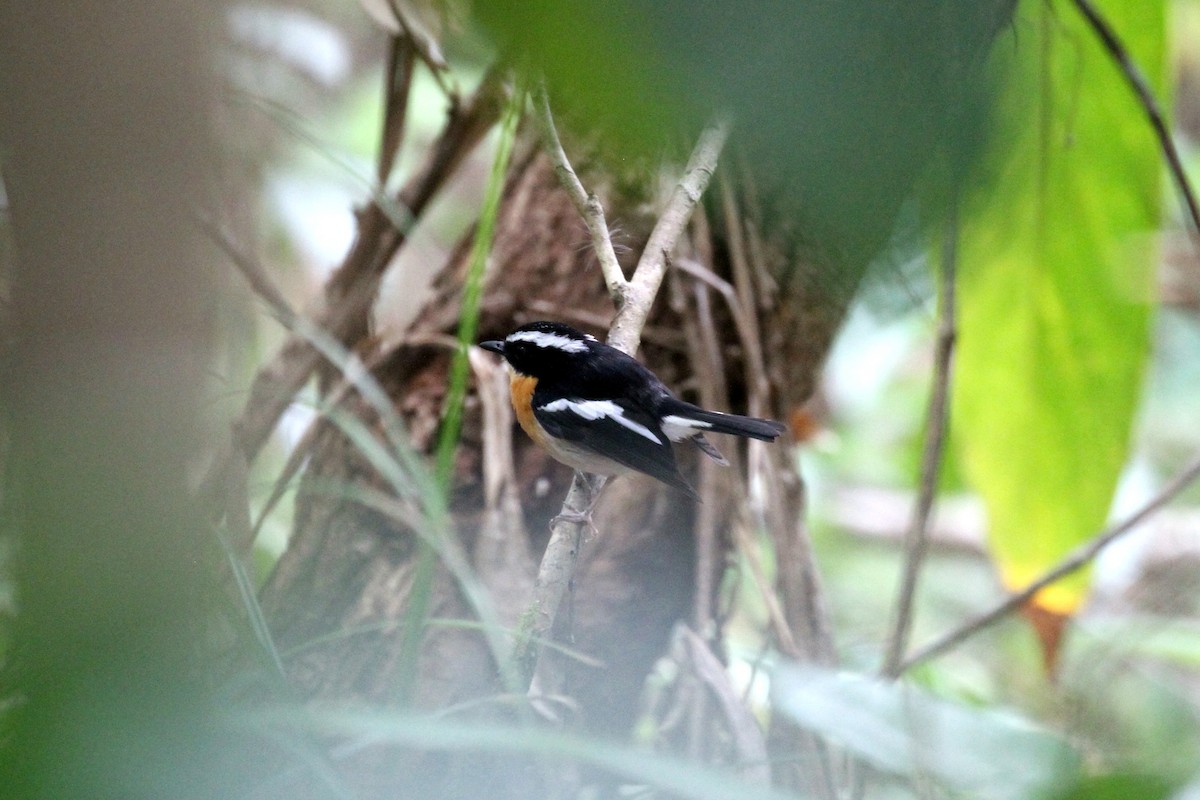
(916, 540)
(1082, 556)
(1137, 81)
(585, 202)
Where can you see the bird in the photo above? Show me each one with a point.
(600, 411)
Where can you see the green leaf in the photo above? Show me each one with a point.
(900, 730)
(679, 778)
(1055, 270)
(1173, 641)
(421, 594)
(1120, 787)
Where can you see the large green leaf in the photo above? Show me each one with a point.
(900, 730)
(1056, 259)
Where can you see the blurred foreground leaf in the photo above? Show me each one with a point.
(984, 754)
(1120, 787)
(681, 778)
(837, 107)
(1056, 257)
(1171, 641)
(107, 693)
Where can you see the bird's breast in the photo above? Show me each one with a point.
(521, 387)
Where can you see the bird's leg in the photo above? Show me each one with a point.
(595, 485)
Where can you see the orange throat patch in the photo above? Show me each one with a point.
(521, 388)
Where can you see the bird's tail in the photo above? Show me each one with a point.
(683, 421)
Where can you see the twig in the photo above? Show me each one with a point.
(1137, 81)
(1079, 558)
(397, 84)
(916, 540)
(554, 575)
(784, 637)
(804, 612)
(352, 289)
(502, 550)
(250, 269)
(785, 640)
(626, 329)
(745, 733)
(633, 303)
(699, 329)
(749, 329)
(586, 203)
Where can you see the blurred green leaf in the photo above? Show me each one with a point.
(420, 596)
(603, 58)
(1161, 638)
(1119, 787)
(1189, 792)
(682, 778)
(838, 106)
(898, 729)
(1056, 257)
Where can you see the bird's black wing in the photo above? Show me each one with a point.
(616, 429)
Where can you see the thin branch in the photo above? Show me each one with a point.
(1073, 562)
(250, 269)
(741, 322)
(704, 366)
(785, 640)
(916, 540)
(776, 617)
(749, 329)
(633, 300)
(1137, 81)
(397, 84)
(502, 552)
(586, 203)
(555, 573)
(744, 730)
(626, 329)
(352, 288)
(804, 610)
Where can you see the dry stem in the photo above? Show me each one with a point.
(586, 203)
(633, 299)
(626, 330)
(916, 540)
(1137, 81)
(1076, 560)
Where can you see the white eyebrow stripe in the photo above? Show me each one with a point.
(595, 409)
(555, 340)
(677, 427)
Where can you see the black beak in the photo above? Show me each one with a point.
(493, 345)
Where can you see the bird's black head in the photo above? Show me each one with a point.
(542, 348)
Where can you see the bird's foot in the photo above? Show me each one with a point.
(573, 518)
(595, 484)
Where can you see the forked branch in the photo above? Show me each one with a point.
(633, 299)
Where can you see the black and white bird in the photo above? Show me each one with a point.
(600, 411)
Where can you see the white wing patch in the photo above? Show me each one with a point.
(592, 410)
(555, 340)
(677, 427)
